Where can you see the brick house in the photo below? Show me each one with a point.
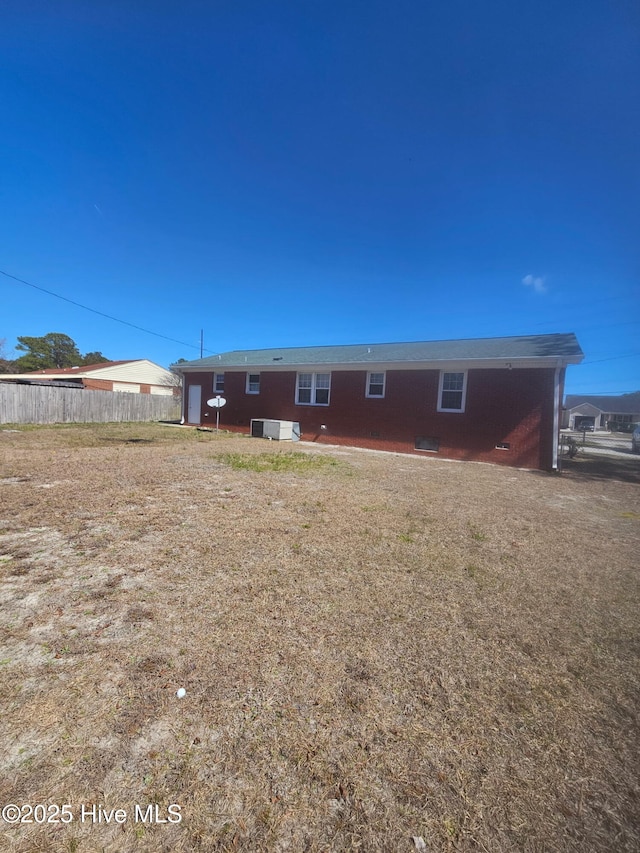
(491, 400)
(134, 376)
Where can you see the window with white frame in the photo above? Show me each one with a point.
(375, 384)
(313, 389)
(253, 383)
(452, 391)
(218, 383)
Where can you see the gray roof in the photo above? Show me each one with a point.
(625, 404)
(563, 346)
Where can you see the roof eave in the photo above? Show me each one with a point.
(400, 364)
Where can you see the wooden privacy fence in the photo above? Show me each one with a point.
(40, 404)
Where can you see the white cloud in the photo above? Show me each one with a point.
(536, 282)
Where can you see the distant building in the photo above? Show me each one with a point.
(491, 399)
(606, 413)
(138, 376)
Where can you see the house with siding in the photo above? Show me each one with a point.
(489, 399)
(134, 376)
(616, 414)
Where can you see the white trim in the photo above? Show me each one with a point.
(217, 390)
(313, 388)
(556, 419)
(451, 366)
(368, 384)
(246, 388)
(463, 400)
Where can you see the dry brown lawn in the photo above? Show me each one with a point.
(375, 648)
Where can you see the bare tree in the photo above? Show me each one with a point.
(7, 365)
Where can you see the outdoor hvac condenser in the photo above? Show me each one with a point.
(276, 430)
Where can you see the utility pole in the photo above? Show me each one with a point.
(201, 342)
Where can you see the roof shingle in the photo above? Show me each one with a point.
(563, 346)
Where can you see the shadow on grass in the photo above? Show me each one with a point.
(594, 467)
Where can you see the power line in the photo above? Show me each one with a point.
(101, 313)
(613, 358)
(608, 326)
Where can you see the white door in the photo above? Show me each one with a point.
(193, 411)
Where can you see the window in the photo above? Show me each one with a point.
(375, 385)
(313, 389)
(253, 383)
(218, 383)
(452, 392)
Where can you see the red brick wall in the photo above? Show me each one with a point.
(107, 385)
(502, 406)
(98, 384)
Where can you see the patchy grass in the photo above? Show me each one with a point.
(418, 649)
(61, 436)
(289, 462)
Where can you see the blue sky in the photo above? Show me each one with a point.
(305, 173)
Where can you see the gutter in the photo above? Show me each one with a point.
(556, 417)
(524, 362)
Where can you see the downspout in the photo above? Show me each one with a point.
(184, 397)
(556, 417)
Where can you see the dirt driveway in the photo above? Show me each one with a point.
(378, 651)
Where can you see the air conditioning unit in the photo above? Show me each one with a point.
(276, 430)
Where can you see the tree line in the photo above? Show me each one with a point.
(50, 351)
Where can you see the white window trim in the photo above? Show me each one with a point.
(459, 411)
(313, 388)
(247, 391)
(217, 390)
(384, 385)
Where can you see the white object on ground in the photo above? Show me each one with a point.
(181, 693)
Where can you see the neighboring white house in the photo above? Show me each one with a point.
(138, 376)
(606, 413)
